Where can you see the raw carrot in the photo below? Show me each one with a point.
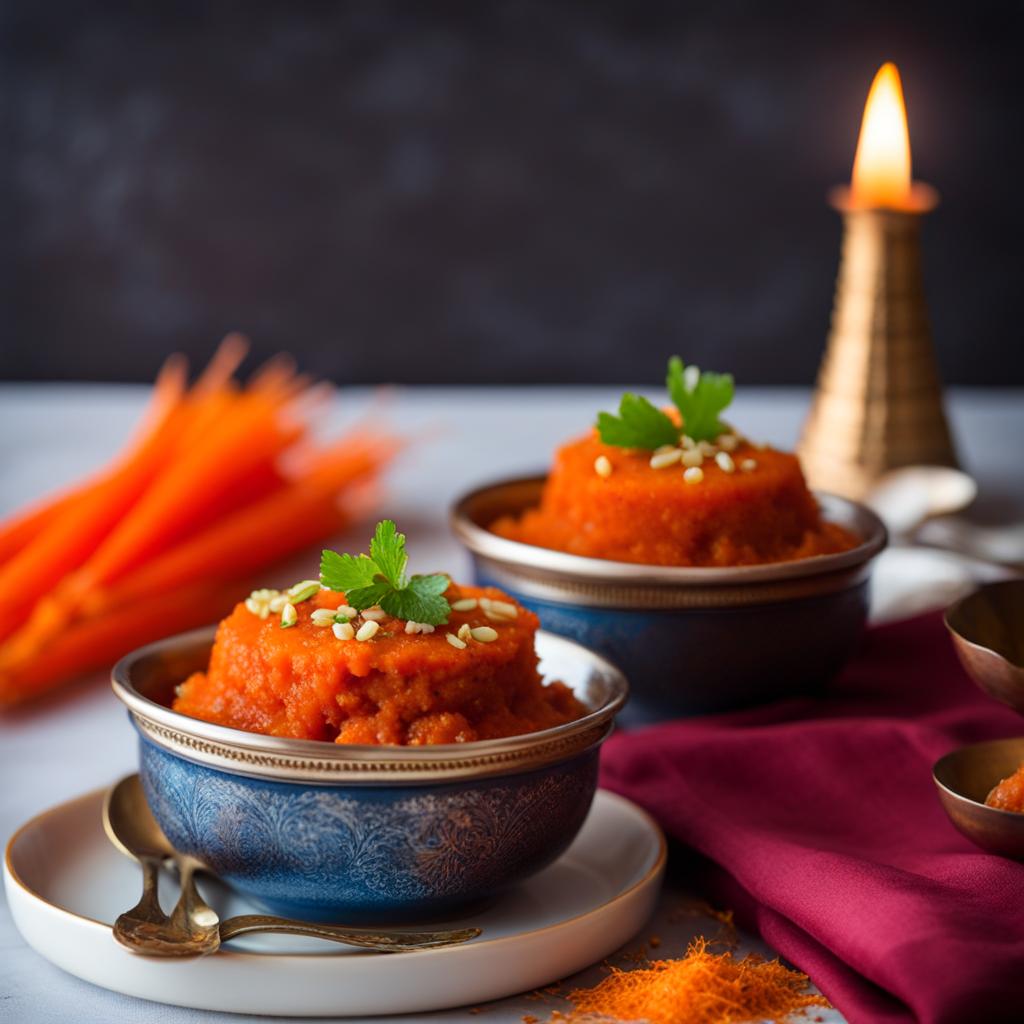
(222, 365)
(23, 528)
(265, 531)
(175, 502)
(283, 523)
(79, 526)
(98, 642)
(220, 480)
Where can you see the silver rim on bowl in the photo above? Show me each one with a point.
(152, 671)
(545, 574)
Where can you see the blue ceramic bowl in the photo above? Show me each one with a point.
(326, 831)
(690, 639)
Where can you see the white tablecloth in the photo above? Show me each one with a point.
(79, 740)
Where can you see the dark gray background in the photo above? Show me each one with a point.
(486, 192)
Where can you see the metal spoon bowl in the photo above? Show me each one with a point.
(145, 928)
(907, 497)
(964, 778)
(194, 929)
(987, 628)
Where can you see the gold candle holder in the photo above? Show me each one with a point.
(878, 402)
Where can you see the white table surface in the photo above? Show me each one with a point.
(50, 434)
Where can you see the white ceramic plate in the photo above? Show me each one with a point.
(65, 884)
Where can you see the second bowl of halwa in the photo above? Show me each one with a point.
(692, 556)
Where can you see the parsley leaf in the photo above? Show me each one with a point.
(421, 601)
(380, 578)
(638, 425)
(345, 572)
(366, 597)
(387, 551)
(699, 397)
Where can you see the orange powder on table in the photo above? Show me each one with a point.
(699, 988)
(755, 509)
(397, 688)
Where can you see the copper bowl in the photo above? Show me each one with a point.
(964, 778)
(988, 633)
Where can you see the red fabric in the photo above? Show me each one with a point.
(822, 822)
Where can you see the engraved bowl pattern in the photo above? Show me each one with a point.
(691, 640)
(368, 853)
(364, 834)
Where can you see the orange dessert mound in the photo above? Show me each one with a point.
(602, 501)
(396, 688)
(1008, 794)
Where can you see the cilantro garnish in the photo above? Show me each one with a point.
(699, 397)
(379, 579)
(638, 425)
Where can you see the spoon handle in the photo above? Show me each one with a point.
(149, 903)
(385, 942)
(141, 928)
(191, 911)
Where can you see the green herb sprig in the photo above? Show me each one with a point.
(699, 397)
(380, 579)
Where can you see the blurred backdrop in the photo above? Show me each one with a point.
(487, 192)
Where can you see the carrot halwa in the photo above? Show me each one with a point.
(743, 506)
(398, 688)
(1008, 793)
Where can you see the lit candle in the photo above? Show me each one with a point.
(878, 403)
(881, 169)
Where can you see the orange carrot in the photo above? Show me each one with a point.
(98, 642)
(73, 533)
(221, 368)
(220, 481)
(175, 502)
(266, 531)
(22, 529)
(285, 521)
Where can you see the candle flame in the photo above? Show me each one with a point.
(881, 168)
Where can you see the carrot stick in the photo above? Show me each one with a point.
(22, 529)
(275, 375)
(174, 503)
(263, 532)
(222, 365)
(220, 481)
(69, 539)
(283, 523)
(97, 642)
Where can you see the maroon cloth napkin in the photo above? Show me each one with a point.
(824, 831)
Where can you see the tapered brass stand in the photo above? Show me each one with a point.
(878, 403)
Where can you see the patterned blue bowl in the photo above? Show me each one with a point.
(691, 640)
(335, 832)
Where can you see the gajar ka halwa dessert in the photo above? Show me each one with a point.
(1008, 793)
(677, 487)
(367, 654)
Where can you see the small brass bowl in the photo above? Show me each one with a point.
(691, 640)
(964, 778)
(988, 633)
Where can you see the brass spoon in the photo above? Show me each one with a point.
(192, 926)
(145, 928)
(908, 497)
